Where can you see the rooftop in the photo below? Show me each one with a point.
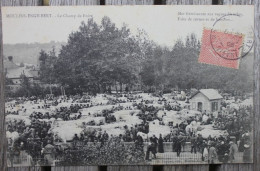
(9, 64)
(16, 72)
(211, 94)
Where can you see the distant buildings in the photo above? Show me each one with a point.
(14, 72)
(206, 100)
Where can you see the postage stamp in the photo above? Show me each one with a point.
(221, 48)
(227, 41)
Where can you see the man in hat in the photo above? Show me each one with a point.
(199, 142)
(221, 151)
(178, 145)
(193, 144)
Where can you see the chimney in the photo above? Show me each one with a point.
(10, 58)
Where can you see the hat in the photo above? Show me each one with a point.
(246, 145)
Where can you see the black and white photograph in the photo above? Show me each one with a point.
(128, 85)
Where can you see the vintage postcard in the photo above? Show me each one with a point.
(128, 85)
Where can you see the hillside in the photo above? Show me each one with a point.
(29, 53)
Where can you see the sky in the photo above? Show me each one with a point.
(163, 24)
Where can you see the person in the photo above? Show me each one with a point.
(174, 141)
(48, 153)
(105, 136)
(133, 133)
(23, 153)
(10, 155)
(178, 146)
(233, 149)
(193, 144)
(205, 153)
(154, 141)
(101, 139)
(75, 140)
(212, 154)
(139, 143)
(204, 150)
(199, 142)
(154, 144)
(57, 139)
(247, 153)
(160, 144)
(146, 128)
(149, 149)
(81, 140)
(222, 152)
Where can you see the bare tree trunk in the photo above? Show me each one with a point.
(121, 87)
(116, 88)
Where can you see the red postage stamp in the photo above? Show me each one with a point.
(221, 48)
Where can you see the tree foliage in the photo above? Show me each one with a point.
(99, 56)
(179, 68)
(96, 57)
(47, 61)
(112, 152)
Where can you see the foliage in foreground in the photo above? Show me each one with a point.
(112, 152)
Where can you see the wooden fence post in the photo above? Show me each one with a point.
(129, 2)
(2, 104)
(73, 2)
(256, 165)
(3, 141)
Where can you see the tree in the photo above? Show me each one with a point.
(180, 68)
(99, 56)
(96, 57)
(47, 62)
(8, 91)
(25, 87)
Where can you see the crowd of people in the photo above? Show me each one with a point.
(43, 146)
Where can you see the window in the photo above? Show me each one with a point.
(193, 105)
(214, 106)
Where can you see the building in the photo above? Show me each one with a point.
(14, 72)
(206, 100)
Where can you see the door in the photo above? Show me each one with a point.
(199, 106)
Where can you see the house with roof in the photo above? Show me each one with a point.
(14, 72)
(15, 75)
(208, 100)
